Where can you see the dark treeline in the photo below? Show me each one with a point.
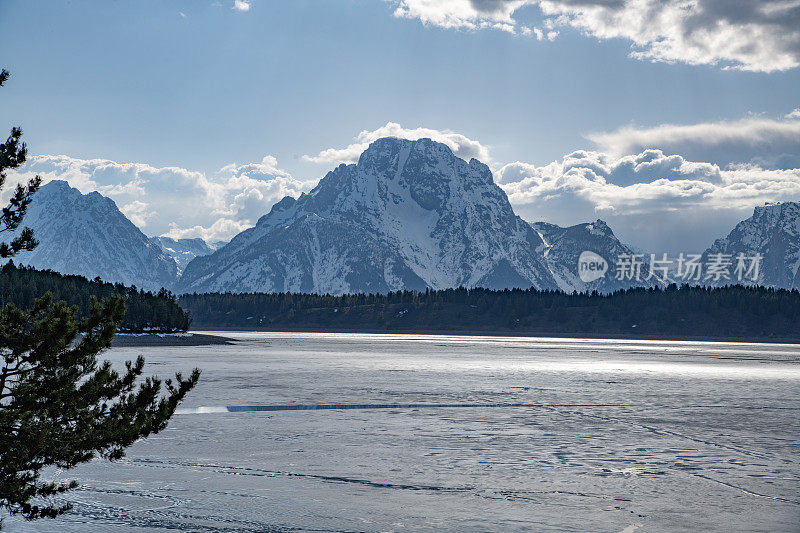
(146, 311)
(674, 312)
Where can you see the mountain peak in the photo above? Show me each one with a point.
(381, 150)
(599, 227)
(774, 233)
(86, 234)
(777, 209)
(409, 214)
(782, 215)
(57, 184)
(58, 188)
(563, 247)
(59, 191)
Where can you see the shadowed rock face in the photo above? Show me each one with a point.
(408, 215)
(774, 232)
(86, 234)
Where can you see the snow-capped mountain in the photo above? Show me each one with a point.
(408, 215)
(564, 247)
(184, 250)
(773, 232)
(87, 234)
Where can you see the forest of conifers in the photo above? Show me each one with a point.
(674, 312)
(753, 313)
(146, 311)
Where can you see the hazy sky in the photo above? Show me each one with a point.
(195, 116)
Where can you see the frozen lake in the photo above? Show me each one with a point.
(528, 435)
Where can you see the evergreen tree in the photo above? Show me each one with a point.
(733, 312)
(12, 155)
(58, 405)
(145, 311)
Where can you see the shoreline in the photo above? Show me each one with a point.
(501, 333)
(132, 340)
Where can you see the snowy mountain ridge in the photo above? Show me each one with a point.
(408, 215)
(773, 232)
(184, 250)
(563, 249)
(86, 234)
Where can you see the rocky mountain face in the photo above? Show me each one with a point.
(408, 215)
(184, 250)
(87, 234)
(773, 232)
(568, 254)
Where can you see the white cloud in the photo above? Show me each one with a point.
(641, 181)
(241, 5)
(175, 200)
(756, 140)
(252, 188)
(222, 229)
(661, 188)
(624, 185)
(660, 201)
(461, 145)
(462, 14)
(761, 36)
(137, 212)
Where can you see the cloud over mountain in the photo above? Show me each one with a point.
(761, 36)
(462, 146)
(695, 179)
(675, 199)
(174, 200)
(760, 141)
(648, 181)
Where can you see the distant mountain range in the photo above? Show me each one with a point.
(87, 234)
(184, 250)
(408, 215)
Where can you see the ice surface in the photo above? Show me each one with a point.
(459, 434)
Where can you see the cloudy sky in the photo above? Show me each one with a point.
(669, 120)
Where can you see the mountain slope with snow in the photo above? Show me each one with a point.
(773, 232)
(408, 215)
(183, 250)
(87, 234)
(563, 249)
